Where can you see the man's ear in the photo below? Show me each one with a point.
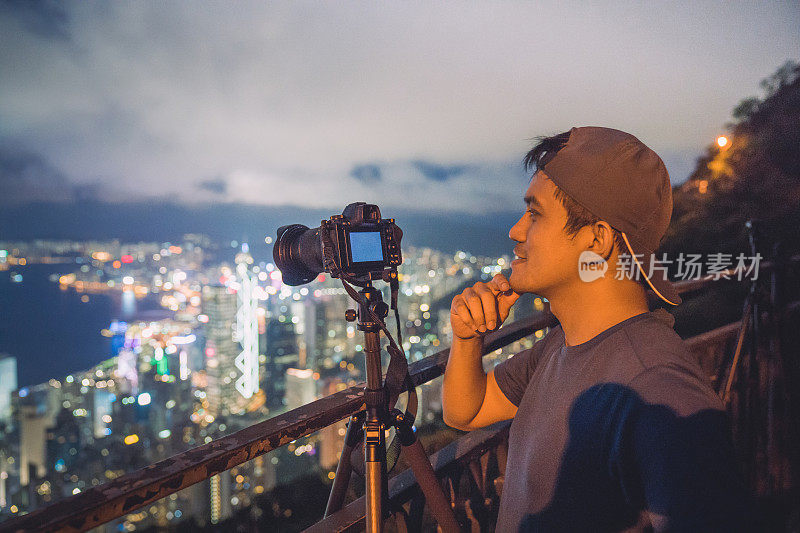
(603, 239)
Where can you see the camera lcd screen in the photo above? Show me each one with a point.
(366, 246)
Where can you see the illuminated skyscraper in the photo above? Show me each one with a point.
(331, 438)
(219, 304)
(246, 328)
(282, 353)
(33, 431)
(301, 387)
(3, 482)
(220, 496)
(102, 412)
(8, 384)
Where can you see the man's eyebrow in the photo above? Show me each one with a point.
(532, 201)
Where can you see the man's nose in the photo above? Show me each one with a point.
(517, 232)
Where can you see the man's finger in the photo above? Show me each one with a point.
(505, 302)
(489, 303)
(462, 312)
(500, 284)
(475, 309)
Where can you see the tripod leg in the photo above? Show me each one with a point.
(423, 471)
(726, 395)
(344, 468)
(374, 453)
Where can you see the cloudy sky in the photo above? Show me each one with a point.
(410, 104)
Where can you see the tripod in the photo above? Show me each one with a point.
(370, 425)
(749, 325)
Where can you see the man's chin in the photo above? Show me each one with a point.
(517, 284)
(523, 282)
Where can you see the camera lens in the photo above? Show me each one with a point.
(298, 254)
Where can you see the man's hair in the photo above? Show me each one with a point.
(577, 215)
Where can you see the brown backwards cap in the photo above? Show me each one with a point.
(620, 180)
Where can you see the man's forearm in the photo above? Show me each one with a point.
(464, 382)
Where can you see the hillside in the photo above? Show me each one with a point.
(757, 175)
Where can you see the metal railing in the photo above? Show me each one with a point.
(126, 494)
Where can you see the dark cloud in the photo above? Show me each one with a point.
(90, 192)
(28, 177)
(435, 172)
(367, 174)
(45, 18)
(215, 185)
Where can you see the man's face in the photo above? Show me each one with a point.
(547, 257)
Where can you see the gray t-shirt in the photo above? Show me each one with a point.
(606, 429)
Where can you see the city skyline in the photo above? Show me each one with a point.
(77, 272)
(190, 372)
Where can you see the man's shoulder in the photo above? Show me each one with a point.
(653, 342)
(669, 373)
(552, 339)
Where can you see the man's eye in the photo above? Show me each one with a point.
(533, 212)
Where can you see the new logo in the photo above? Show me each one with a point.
(591, 266)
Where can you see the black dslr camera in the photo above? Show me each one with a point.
(357, 245)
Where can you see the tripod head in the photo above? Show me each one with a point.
(372, 305)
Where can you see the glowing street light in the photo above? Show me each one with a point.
(722, 141)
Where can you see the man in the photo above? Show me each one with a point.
(615, 427)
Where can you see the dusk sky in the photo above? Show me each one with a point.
(407, 104)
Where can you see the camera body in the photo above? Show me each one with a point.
(358, 244)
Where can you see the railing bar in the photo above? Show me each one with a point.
(695, 284)
(713, 336)
(433, 366)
